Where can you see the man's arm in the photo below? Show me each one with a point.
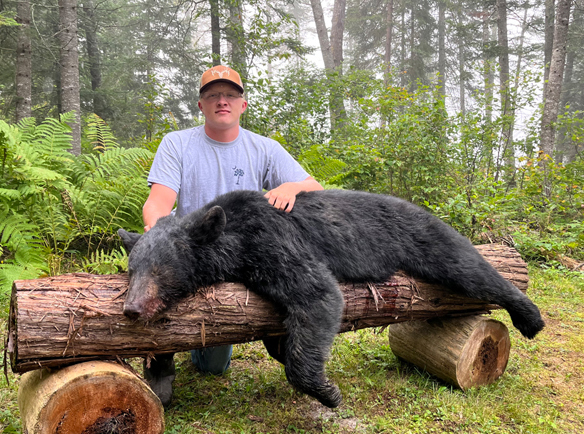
(284, 196)
(159, 204)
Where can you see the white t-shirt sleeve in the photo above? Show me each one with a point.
(167, 165)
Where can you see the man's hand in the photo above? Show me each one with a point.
(284, 196)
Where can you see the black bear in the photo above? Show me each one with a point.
(295, 260)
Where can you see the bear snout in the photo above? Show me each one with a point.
(132, 312)
(144, 309)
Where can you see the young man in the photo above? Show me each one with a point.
(193, 166)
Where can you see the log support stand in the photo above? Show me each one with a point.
(466, 352)
(88, 398)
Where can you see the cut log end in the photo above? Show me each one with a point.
(466, 352)
(88, 398)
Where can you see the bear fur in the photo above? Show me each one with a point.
(296, 259)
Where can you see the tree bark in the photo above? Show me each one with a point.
(94, 56)
(337, 31)
(78, 317)
(442, 46)
(553, 89)
(70, 98)
(215, 33)
(507, 154)
(488, 72)
(461, 44)
(549, 38)
(236, 38)
(323, 39)
(23, 62)
(467, 352)
(332, 54)
(388, 39)
(567, 149)
(92, 397)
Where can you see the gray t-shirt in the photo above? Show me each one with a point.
(199, 168)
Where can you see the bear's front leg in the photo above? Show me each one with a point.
(314, 306)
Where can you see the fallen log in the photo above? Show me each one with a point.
(72, 318)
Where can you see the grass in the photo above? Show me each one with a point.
(542, 390)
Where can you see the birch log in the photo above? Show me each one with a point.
(73, 318)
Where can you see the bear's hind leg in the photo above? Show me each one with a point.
(312, 327)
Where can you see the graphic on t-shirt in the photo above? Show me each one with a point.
(239, 173)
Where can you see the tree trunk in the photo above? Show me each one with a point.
(236, 38)
(88, 398)
(488, 65)
(94, 56)
(323, 39)
(337, 31)
(566, 148)
(23, 63)
(507, 153)
(332, 54)
(442, 46)
(215, 33)
(388, 39)
(553, 90)
(549, 38)
(461, 73)
(466, 352)
(70, 99)
(78, 317)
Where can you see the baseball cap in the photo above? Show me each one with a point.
(218, 74)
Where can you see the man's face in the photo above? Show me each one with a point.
(222, 106)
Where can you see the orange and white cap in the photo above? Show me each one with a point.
(218, 74)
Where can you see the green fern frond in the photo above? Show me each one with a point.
(102, 262)
(319, 165)
(26, 124)
(100, 134)
(9, 272)
(7, 194)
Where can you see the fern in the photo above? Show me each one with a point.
(100, 135)
(101, 262)
(326, 169)
(55, 207)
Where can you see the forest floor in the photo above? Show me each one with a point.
(542, 390)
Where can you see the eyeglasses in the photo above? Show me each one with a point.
(215, 96)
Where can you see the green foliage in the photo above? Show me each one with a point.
(55, 207)
(6, 19)
(395, 141)
(328, 171)
(402, 142)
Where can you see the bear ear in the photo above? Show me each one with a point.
(209, 228)
(129, 239)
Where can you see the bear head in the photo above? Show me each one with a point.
(170, 261)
